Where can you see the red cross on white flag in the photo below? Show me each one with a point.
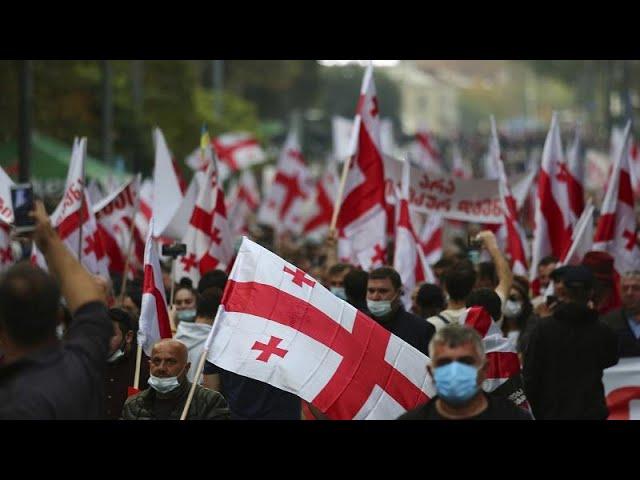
(278, 325)
(616, 228)
(291, 186)
(318, 221)
(553, 216)
(208, 238)
(362, 220)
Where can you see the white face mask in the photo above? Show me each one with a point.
(379, 308)
(512, 309)
(163, 385)
(115, 356)
(60, 331)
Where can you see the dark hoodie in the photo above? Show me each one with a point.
(563, 364)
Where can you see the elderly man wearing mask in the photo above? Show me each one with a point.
(169, 389)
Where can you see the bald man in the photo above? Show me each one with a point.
(168, 389)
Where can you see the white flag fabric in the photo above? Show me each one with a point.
(114, 215)
(634, 168)
(461, 169)
(167, 194)
(292, 185)
(143, 216)
(154, 317)
(6, 205)
(6, 252)
(582, 238)
(431, 239)
(342, 130)
(280, 326)
(616, 231)
(553, 227)
(362, 220)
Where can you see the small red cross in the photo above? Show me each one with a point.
(91, 244)
(215, 236)
(271, 204)
(5, 255)
(563, 174)
(374, 110)
(631, 239)
(295, 154)
(380, 255)
(270, 349)
(299, 277)
(189, 261)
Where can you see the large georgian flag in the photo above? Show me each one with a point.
(362, 220)
(553, 217)
(616, 230)
(154, 316)
(319, 219)
(576, 177)
(244, 203)
(280, 326)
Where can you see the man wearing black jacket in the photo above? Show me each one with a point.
(625, 321)
(567, 353)
(42, 377)
(384, 293)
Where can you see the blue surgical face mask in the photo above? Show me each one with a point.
(339, 292)
(456, 382)
(379, 308)
(186, 315)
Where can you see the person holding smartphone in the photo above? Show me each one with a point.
(43, 377)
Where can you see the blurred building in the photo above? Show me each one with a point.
(426, 100)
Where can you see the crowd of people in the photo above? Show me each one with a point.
(68, 343)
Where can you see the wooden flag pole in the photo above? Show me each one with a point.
(136, 378)
(129, 249)
(196, 377)
(338, 202)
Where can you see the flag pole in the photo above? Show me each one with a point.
(129, 247)
(82, 204)
(136, 378)
(200, 366)
(338, 202)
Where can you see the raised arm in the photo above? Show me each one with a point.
(505, 276)
(76, 284)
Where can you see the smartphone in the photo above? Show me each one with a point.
(22, 200)
(473, 249)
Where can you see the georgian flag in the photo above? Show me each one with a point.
(409, 259)
(616, 231)
(503, 372)
(516, 239)
(292, 185)
(154, 316)
(318, 221)
(114, 215)
(424, 153)
(74, 216)
(6, 218)
(6, 252)
(553, 218)
(362, 220)
(244, 203)
(144, 213)
(582, 238)
(431, 238)
(208, 238)
(280, 326)
(576, 177)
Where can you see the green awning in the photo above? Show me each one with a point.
(50, 160)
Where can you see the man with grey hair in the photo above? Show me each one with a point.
(625, 321)
(458, 367)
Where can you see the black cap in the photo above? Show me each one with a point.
(573, 276)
